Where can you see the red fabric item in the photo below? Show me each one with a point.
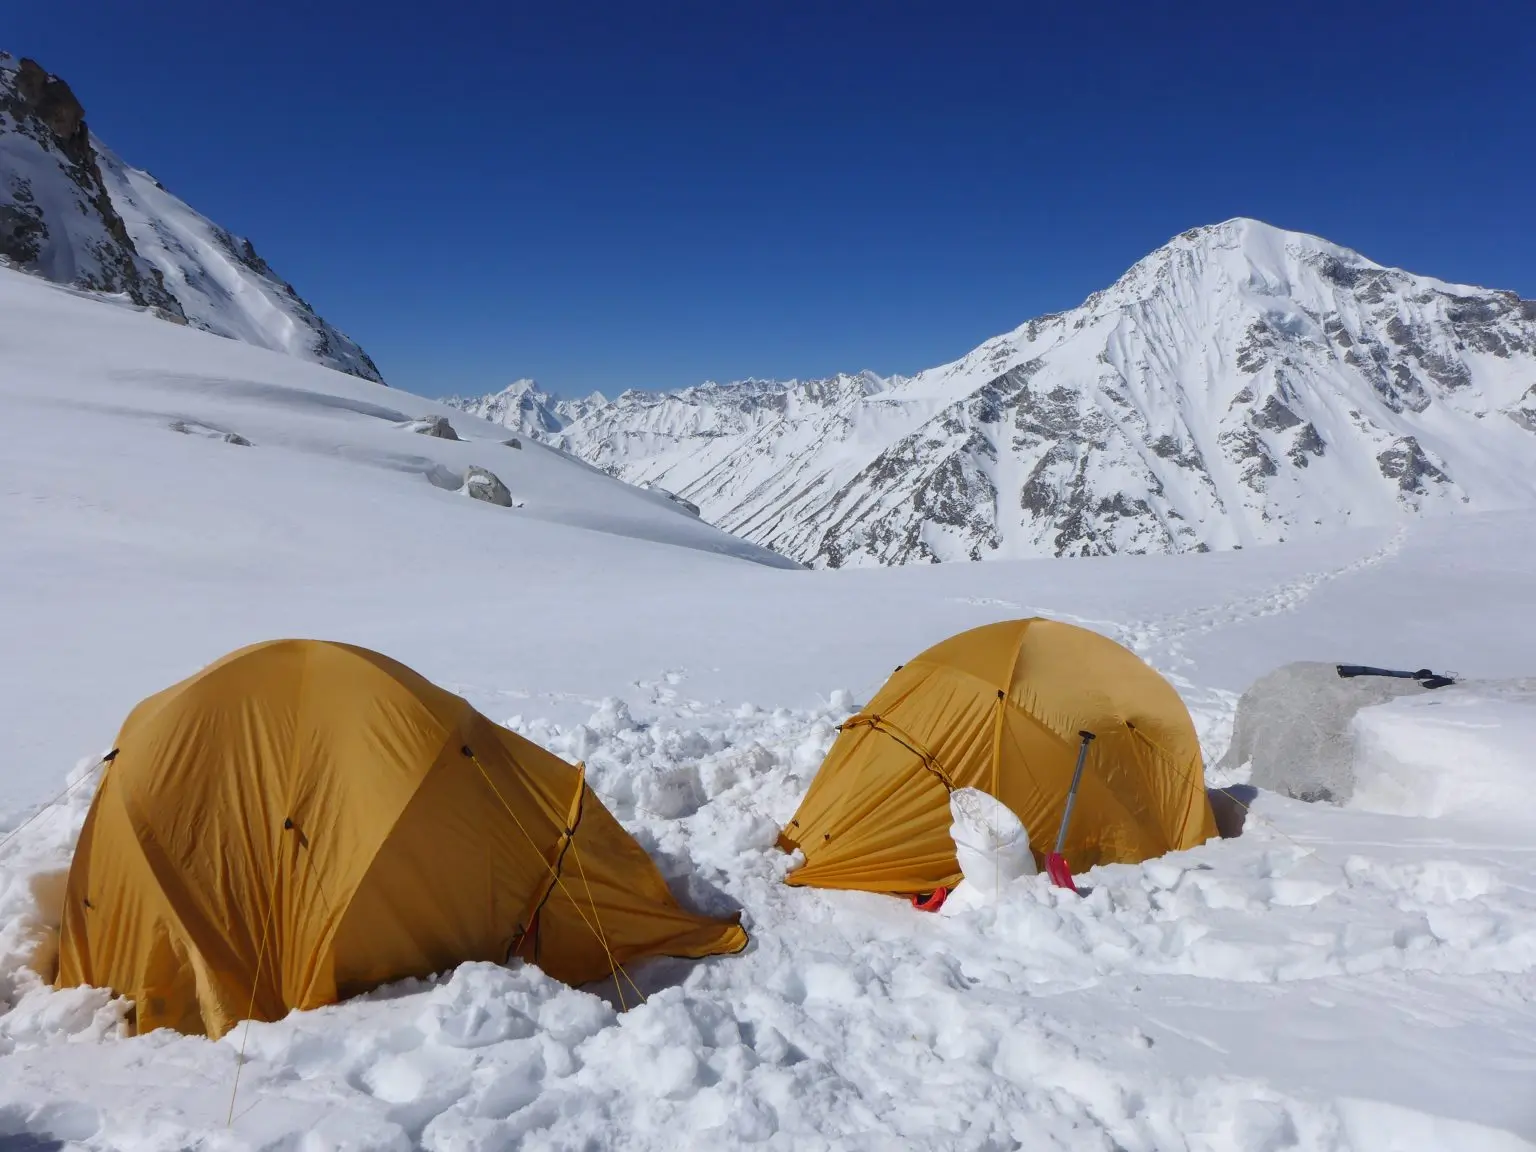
(931, 902)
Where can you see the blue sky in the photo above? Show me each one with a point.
(650, 194)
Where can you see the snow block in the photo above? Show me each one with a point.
(1293, 727)
(1464, 751)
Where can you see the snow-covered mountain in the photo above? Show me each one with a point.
(527, 408)
(1240, 385)
(73, 212)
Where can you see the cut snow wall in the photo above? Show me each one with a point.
(1293, 726)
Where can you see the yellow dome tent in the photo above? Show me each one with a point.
(303, 821)
(1000, 708)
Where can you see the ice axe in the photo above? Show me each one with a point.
(1056, 864)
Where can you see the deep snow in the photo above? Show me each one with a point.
(1335, 978)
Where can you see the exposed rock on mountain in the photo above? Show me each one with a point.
(56, 217)
(437, 426)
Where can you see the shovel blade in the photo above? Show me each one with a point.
(1056, 868)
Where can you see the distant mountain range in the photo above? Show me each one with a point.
(73, 212)
(1240, 385)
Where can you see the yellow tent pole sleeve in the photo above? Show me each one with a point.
(911, 743)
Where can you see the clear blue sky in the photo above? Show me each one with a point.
(649, 193)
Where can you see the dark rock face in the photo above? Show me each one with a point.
(41, 107)
(1308, 443)
(1524, 412)
(49, 98)
(1407, 464)
(1275, 416)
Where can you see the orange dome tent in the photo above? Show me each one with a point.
(1000, 708)
(304, 820)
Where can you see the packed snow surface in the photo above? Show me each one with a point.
(1332, 979)
(1462, 751)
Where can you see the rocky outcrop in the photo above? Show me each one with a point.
(436, 426)
(50, 100)
(192, 428)
(56, 217)
(483, 484)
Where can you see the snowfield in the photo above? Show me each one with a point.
(1335, 978)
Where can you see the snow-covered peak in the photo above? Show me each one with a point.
(1242, 384)
(73, 212)
(525, 407)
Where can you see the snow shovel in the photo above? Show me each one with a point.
(1056, 864)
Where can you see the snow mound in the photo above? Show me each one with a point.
(1457, 752)
(35, 850)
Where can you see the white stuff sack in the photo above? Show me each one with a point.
(991, 844)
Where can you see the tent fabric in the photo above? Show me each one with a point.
(999, 708)
(303, 820)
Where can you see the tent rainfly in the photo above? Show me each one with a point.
(303, 821)
(1001, 708)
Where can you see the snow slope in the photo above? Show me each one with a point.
(1240, 385)
(222, 285)
(1334, 979)
(73, 212)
